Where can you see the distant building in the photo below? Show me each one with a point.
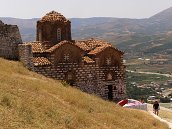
(9, 40)
(94, 66)
(159, 61)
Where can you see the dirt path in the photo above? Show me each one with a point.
(162, 119)
(166, 75)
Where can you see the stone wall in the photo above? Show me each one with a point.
(108, 82)
(9, 40)
(26, 55)
(88, 78)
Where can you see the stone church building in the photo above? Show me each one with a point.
(93, 66)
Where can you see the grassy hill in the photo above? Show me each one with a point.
(29, 100)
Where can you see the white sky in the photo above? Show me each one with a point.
(83, 8)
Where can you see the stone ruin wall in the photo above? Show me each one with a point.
(26, 55)
(9, 40)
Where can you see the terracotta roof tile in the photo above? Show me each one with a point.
(88, 59)
(98, 49)
(94, 46)
(91, 44)
(41, 61)
(57, 46)
(37, 46)
(54, 16)
(60, 44)
(82, 45)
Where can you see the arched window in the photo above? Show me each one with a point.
(40, 35)
(58, 34)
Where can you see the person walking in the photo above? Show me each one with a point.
(156, 108)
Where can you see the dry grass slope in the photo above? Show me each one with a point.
(28, 100)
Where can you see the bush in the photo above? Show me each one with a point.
(6, 101)
(65, 84)
(165, 100)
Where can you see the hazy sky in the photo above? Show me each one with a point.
(83, 8)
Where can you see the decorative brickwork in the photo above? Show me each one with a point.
(9, 40)
(93, 66)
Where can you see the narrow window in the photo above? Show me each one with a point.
(108, 61)
(40, 35)
(58, 34)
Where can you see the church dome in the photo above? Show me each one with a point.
(53, 17)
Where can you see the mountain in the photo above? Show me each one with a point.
(128, 34)
(161, 22)
(84, 28)
(29, 100)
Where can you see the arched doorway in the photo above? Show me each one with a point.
(110, 92)
(70, 78)
(109, 78)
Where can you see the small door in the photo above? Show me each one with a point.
(110, 93)
(70, 78)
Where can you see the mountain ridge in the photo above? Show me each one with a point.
(101, 25)
(118, 31)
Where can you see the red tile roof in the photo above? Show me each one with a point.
(98, 49)
(37, 46)
(60, 44)
(41, 61)
(88, 60)
(91, 44)
(54, 16)
(94, 46)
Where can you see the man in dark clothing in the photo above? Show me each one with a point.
(156, 108)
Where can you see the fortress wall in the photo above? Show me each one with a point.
(9, 40)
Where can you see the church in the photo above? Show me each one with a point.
(93, 66)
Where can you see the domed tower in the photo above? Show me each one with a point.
(54, 28)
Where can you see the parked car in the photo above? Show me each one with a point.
(152, 99)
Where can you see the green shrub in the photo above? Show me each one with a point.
(6, 101)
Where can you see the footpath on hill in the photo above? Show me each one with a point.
(165, 115)
(166, 75)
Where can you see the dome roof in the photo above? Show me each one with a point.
(54, 16)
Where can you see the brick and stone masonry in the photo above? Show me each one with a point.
(93, 66)
(9, 40)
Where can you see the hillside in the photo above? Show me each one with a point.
(103, 27)
(28, 100)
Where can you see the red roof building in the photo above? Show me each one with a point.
(94, 66)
